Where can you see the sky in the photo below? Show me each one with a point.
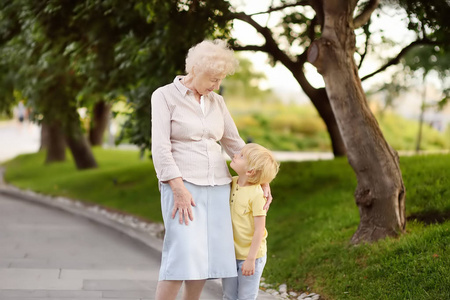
(281, 80)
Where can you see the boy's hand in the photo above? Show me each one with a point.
(248, 267)
(267, 194)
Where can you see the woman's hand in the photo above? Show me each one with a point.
(267, 194)
(183, 201)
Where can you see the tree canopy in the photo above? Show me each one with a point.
(61, 55)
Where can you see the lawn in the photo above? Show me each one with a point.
(310, 222)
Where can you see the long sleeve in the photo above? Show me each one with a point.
(163, 160)
(231, 141)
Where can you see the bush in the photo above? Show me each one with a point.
(291, 123)
(300, 128)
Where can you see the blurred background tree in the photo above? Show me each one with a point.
(101, 53)
(63, 55)
(300, 23)
(423, 61)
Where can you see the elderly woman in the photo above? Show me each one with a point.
(190, 125)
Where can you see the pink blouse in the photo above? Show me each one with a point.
(185, 140)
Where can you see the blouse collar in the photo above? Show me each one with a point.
(177, 81)
(183, 89)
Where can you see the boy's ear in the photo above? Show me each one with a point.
(250, 172)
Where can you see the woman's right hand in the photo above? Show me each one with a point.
(183, 201)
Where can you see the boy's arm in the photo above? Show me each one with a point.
(248, 268)
(267, 194)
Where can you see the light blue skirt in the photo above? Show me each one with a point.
(203, 249)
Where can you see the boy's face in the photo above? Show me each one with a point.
(239, 164)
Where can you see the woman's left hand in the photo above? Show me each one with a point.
(267, 194)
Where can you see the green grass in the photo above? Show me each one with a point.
(122, 181)
(314, 216)
(310, 222)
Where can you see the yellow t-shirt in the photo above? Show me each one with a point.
(246, 202)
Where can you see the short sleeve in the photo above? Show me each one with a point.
(258, 201)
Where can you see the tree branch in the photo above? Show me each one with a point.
(249, 48)
(366, 44)
(271, 47)
(311, 29)
(396, 60)
(272, 9)
(318, 8)
(364, 17)
(363, 55)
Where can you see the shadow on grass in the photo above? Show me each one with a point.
(430, 217)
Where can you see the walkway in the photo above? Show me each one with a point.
(46, 253)
(18, 138)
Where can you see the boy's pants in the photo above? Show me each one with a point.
(243, 287)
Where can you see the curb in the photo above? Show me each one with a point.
(147, 233)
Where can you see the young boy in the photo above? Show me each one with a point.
(254, 165)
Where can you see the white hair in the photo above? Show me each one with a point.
(214, 57)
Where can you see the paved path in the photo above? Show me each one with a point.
(46, 253)
(18, 138)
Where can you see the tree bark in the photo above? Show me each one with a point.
(44, 136)
(380, 192)
(99, 123)
(323, 106)
(321, 102)
(52, 140)
(79, 144)
(81, 152)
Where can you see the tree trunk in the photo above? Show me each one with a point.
(323, 106)
(99, 123)
(52, 139)
(380, 192)
(79, 145)
(321, 102)
(319, 99)
(44, 136)
(422, 114)
(81, 152)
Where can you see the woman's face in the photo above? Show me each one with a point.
(205, 82)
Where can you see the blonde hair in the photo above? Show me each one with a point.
(213, 57)
(262, 162)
